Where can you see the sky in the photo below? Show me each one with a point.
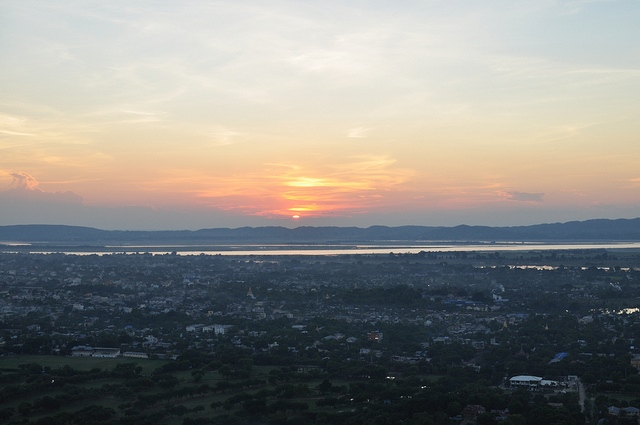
(193, 114)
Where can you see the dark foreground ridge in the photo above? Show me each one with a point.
(590, 230)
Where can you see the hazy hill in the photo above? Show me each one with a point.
(590, 230)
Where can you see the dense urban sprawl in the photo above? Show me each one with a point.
(562, 327)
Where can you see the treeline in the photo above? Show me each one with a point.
(342, 393)
(398, 295)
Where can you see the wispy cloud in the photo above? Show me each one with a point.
(635, 182)
(23, 191)
(572, 7)
(12, 125)
(246, 106)
(223, 136)
(524, 196)
(347, 187)
(22, 180)
(358, 132)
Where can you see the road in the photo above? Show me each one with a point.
(582, 395)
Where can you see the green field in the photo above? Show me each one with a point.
(79, 363)
(71, 384)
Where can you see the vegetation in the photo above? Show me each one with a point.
(36, 393)
(429, 338)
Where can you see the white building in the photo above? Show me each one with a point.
(195, 328)
(525, 381)
(217, 329)
(106, 353)
(81, 351)
(135, 355)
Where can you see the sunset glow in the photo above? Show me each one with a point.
(225, 114)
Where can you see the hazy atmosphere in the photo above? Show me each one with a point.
(184, 115)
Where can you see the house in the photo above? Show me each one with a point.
(472, 411)
(624, 411)
(195, 328)
(375, 336)
(221, 329)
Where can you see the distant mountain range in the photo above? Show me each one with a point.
(582, 231)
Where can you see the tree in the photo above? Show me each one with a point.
(454, 408)
(514, 420)
(24, 408)
(6, 413)
(325, 386)
(197, 375)
(255, 406)
(93, 413)
(486, 419)
(166, 380)
(225, 370)
(245, 364)
(178, 410)
(46, 403)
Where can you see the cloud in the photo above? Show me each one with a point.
(573, 7)
(24, 191)
(635, 182)
(346, 186)
(38, 199)
(11, 126)
(141, 116)
(223, 137)
(358, 132)
(15, 133)
(23, 181)
(23, 202)
(525, 196)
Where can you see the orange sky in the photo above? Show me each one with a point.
(224, 114)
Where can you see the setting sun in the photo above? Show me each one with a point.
(449, 113)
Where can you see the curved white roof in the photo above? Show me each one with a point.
(526, 378)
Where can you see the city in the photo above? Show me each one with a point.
(553, 323)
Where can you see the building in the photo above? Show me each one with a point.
(135, 355)
(472, 411)
(624, 411)
(106, 353)
(217, 329)
(375, 336)
(87, 351)
(195, 328)
(81, 351)
(526, 381)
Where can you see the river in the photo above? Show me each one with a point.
(296, 249)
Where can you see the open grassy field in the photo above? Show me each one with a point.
(79, 363)
(88, 382)
(125, 389)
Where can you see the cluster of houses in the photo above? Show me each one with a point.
(202, 328)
